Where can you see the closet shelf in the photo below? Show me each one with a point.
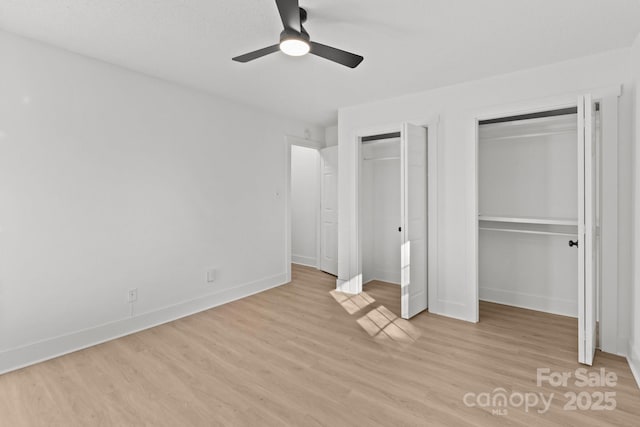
(521, 220)
(392, 140)
(525, 135)
(544, 233)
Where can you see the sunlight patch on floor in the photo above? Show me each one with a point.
(352, 303)
(383, 325)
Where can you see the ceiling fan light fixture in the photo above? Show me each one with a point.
(295, 46)
(295, 40)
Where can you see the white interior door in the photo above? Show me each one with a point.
(329, 210)
(413, 170)
(586, 231)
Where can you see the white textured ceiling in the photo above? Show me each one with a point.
(408, 45)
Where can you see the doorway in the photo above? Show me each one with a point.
(381, 217)
(305, 205)
(392, 211)
(312, 199)
(538, 181)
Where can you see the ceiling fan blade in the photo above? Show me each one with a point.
(257, 53)
(345, 58)
(290, 14)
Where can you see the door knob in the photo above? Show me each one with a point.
(572, 243)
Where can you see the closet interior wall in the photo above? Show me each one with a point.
(380, 210)
(528, 213)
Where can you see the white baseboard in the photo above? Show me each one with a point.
(349, 286)
(532, 302)
(392, 277)
(451, 309)
(304, 260)
(341, 285)
(633, 358)
(623, 346)
(378, 279)
(21, 357)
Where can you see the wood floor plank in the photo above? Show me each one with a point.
(303, 355)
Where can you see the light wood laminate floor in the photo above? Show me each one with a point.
(303, 355)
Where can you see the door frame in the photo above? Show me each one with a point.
(291, 141)
(354, 286)
(605, 96)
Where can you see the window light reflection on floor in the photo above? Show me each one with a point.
(352, 303)
(380, 323)
(383, 325)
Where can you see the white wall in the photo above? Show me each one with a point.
(305, 205)
(634, 342)
(458, 106)
(331, 136)
(112, 180)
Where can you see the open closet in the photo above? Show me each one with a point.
(537, 217)
(381, 239)
(393, 213)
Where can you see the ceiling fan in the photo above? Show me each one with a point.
(295, 41)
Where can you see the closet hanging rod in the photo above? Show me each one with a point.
(382, 136)
(541, 114)
(383, 158)
(523, 220)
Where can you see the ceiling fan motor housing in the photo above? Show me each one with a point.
(288, 34)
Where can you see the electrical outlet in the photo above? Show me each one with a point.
(133, 295)
(211, 275)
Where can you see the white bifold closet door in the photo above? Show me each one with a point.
(413, 169)
(329, 210)
(586, 230)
